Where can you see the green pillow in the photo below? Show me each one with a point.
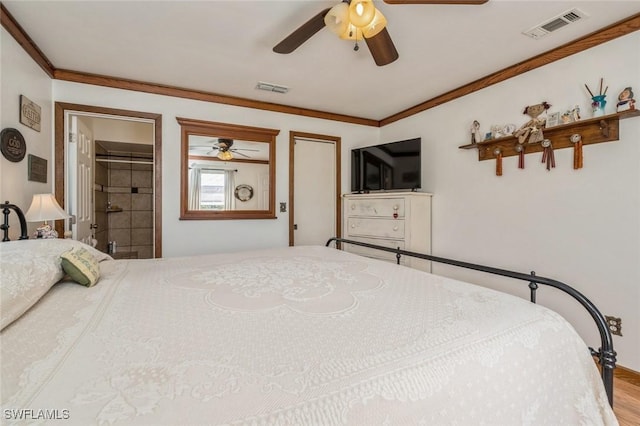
(81, 266)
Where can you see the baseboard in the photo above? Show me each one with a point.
(623, 373)
(626, 374)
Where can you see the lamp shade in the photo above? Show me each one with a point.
(45, 207)
(225, 155)
(337, 19)
(378, 23)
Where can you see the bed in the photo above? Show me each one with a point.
(286, 336)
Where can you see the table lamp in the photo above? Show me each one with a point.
(44, 207)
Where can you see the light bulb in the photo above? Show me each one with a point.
(361, 12)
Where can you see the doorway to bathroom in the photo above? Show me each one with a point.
(110, 178)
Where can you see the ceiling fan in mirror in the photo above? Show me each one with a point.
(223, 147)
(357, 20)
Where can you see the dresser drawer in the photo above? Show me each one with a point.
(382, 228)
(378, 207)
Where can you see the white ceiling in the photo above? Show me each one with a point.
(224, 47)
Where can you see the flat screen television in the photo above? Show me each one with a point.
(386, 167)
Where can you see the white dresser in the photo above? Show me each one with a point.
(394, 219)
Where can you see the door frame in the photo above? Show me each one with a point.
(337, 141)
(62, 108)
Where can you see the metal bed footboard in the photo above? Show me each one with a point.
(605, 354)
(4, 227)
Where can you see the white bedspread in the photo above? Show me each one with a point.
(305, 335)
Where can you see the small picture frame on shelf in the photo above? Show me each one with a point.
(553, 119)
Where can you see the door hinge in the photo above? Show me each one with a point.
(295, 226)
(73, 138)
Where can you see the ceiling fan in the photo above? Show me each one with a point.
(357, 20)
(225, 152)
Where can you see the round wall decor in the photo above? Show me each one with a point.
(12, 145)
(243, 192)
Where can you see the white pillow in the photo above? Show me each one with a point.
(28, 269)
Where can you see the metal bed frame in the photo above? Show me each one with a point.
(605, 354)
(4, 227)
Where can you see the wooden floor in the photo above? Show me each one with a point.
(626, 397)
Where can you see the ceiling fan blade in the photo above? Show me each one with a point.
(239, 153)
(382, 48)
(470, 2)
(302, 34)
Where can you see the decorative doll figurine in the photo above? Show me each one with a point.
(475, 132)
(532, 129)
(625, 100)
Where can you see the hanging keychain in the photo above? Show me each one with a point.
(520, 151)
(498, 153)
(547, 155)
(577, 150)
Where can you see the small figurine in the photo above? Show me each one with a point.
(497, 131)
(475, 132)
(532, 129)
(575, 113)
(625, 100)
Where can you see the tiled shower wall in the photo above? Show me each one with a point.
(129, 220)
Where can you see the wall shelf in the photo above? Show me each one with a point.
(592, 130)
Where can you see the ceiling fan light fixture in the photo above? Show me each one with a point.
(361, 12)
(337, 19)
(378, 24)
(225, 155)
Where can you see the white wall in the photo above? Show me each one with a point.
(128, 131)
(20, 75)
(581, 227)
(198, 236)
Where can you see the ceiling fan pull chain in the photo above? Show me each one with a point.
(356, 47)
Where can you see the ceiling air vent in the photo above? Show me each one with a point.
(569, 17)
(269, 87)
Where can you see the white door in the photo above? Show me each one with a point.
(314, 191)
(80, 168)
(263, 197)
